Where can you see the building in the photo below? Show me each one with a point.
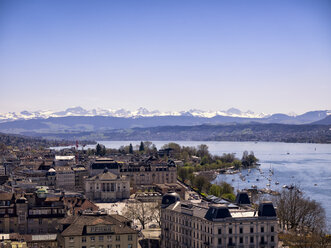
(31, 213)
(150, 172)
(184, 224)
(64, 160)
(141, 173)
(80, 174)
(101, 164)
(96, 230)
(107, 187)
(65, 177)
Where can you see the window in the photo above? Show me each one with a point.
(83, 239)
(262, 229)
(118, 246)
(219, 230)
(262, 240)
(219, 241)
(240, 230)
(230, 230)
(118, 238)
(100, 246)
(109, 246)
(272, 239)
(272, 229)
(241, 240)
(230, 241)
(252, 229)
(252, 239)
(92, 239)
(129, 237)
(100, 238)
(129, 246)
(109, 238)
(71, 239)
(40, 221)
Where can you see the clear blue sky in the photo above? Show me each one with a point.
(266, 56)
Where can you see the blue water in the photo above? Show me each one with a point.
(302, 164)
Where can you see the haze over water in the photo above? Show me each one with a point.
(293, 163)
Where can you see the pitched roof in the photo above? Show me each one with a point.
(78, 226)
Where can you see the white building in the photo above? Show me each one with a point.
(107, 187)
(214, 225)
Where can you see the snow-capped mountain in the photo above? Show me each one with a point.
(141, 112)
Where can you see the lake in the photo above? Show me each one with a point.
(305, 165)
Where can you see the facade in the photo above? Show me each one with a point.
(141, 173)
(65, 177)
(32, 213)
(96, 230)
(149, 172)
(101, 164)
(107, 187)
(214, 225)
(80, 174)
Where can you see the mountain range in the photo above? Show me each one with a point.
(80, 120)
(140, 112)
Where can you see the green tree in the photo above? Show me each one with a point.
(141, 147)
(215, 190)
(98, 149)
(130, 149)
(201, 183)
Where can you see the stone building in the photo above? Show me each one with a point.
(149, 172)
(65, 177)
(31, 213)
(96, 230)
(214, 225)
(141, 173)
(107, 187)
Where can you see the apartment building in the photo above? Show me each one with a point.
(185, 224)
(98, 231)
(31, 213)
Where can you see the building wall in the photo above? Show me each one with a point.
(182, 230)
(88, 241)
(107, 190)
(154, 176)
(65, 179)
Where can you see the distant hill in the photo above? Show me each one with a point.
(234, 132)
(325, 121)
(21, 141)
(103, 123)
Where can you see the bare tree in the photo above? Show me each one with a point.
(156, 212)
(143, 212)
(303, 219)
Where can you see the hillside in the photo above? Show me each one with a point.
(104, 123)
(235, 132)
(325, 121)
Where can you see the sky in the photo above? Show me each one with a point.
(260, 55)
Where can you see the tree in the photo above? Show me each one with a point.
(215, 190)
(248, 159)
(142, 212)
(130, 149)
(297, 212)
(201, 183)
(304, 219)
(141, 147)
(203, 151)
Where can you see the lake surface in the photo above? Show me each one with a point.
(305, 165)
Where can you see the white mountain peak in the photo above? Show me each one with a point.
(140, 112)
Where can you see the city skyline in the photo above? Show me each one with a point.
(270, 57)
